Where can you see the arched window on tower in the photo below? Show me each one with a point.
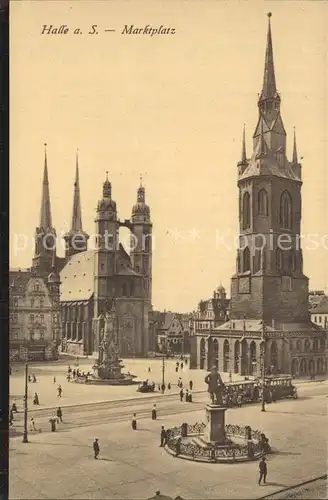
(286, 210)
(262, 202)
(279, 260)
(292, 261)
(246, 210)
(246, 260)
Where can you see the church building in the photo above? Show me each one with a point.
(62, 301)
(269, 322)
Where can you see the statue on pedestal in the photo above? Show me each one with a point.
(109, 364)
(215, 386)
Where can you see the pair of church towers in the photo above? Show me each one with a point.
(107, 246)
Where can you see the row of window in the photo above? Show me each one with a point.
(285, 260)
(35, 303)
(321, 319)
(285, 213)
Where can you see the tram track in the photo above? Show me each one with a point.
(89, 419)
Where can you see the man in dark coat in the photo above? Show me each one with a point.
(60, 414)
(163, 436)
(181, 395)
(96, 448)
(263, 470)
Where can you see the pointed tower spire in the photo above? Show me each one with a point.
(269, 80)
(76, 239)
(295, 158)
(45, 213)
(76, 215)
(243, 148)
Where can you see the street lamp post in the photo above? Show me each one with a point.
(263, 367)
(25, 440)
(163, 367)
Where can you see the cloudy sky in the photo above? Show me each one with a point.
(170, 107)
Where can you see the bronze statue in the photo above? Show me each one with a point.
(215, 386)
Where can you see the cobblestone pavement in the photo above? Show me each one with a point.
(316, 490)
(133, 466)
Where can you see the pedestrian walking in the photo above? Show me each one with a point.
(181, 366)
(60, 414)
(169, 386)
(187, 396)
(29, 378)
(263, 470)
(190, 384)
(74, 373)
(11, 418)
(159, 387)
(32, 425)
(181, 395)
(149, 370)
(163, 388)
(134, 422)
(36, 399)
(68, 377)
(34, 379)
(54, 380)
(96, 448)
(14, 407)
(53, 424)
(69, 370)
(154, 412)
(190, 397)
(163, 436)
(60, 391)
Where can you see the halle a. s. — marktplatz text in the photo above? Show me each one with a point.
(131, 29)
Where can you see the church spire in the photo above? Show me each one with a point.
(76, 215)
(269, 89)
(76, 239)
(295, 158)
(243, 148)
(45, 213)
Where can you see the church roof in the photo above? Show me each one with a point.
(268, 165)
(77, 277)
(255, 325)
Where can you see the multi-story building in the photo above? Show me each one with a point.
(270, 326)
(34, 310)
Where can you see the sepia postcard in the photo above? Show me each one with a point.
(168, 281)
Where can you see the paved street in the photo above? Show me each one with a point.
(131, 465)
(81, 393)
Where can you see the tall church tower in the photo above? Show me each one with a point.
(107, 244)
(141, 240)
(269, 283)
(45, 234)
(76, 240)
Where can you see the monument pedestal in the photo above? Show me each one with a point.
(214, 431)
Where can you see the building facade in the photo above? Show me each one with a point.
(78, 289)
(269, 324)
(34, 294)
(211, 313)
